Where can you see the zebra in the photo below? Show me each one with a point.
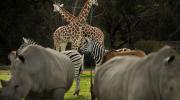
(99, 52)
(74, 55)
(96, 49)
(77, 60)
(89, 46)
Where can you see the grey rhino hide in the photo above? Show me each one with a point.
(31, 95)
(154, 77)
(43, 69)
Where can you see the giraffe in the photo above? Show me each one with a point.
(64, 13)
(69, 33)
(87, 30)
(80, 25)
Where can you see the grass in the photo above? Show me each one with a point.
(85, 89)
(84, 92)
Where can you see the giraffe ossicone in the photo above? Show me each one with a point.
(56, 8)
(94, 2)
(61, 5)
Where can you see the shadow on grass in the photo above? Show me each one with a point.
(80, 97)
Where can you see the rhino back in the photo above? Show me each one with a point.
(130, 78)
(112, 78)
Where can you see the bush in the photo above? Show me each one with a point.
(149, 45)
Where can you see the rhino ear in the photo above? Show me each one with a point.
(21, 57)
(169, 59)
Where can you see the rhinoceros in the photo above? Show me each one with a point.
(38, 70)
(153, 77)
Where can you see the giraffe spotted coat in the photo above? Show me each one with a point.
(79, 22)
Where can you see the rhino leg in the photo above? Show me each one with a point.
(32, 98)
(4, 83)
(58, 94)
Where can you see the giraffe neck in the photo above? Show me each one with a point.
(84, 12)
(68, 17)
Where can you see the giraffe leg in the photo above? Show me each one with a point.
(63, 46)
(57, 48)
(74, 46)
(76, 43)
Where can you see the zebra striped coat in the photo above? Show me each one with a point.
(96, 49)
(74, 55)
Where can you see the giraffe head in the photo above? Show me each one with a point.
(57, 7)
(94, 2)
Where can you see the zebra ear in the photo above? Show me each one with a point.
(87, 39)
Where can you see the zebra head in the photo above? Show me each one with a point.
(96, 49)
(86, 46)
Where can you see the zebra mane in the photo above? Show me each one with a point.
(26, 42)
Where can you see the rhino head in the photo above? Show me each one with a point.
(18, 86)
(168, 73)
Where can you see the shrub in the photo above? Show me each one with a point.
(149, 45)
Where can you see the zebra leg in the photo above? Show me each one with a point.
(77, 79)
(82, 66)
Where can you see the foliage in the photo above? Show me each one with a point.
(131, 21)
(27, 18)
(149, 46)
(122, 21)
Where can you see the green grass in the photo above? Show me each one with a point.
(85, 89)
(84, 85)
